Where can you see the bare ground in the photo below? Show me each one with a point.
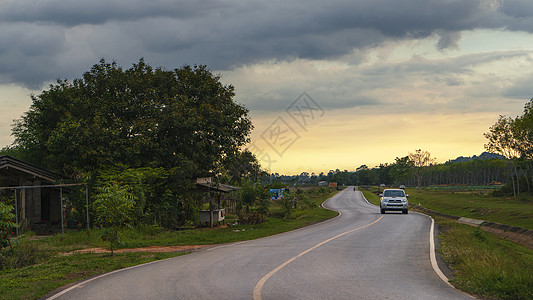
(142, 249)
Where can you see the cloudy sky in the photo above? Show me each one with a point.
(329, 84)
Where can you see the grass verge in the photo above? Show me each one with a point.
(50, 269)
(35, 281)
(477, 204)
(483, 264)
(474, 203)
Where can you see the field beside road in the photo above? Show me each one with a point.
(474, 202)
(360, 254)
(482, 263)
(477, 204)
(38, 266)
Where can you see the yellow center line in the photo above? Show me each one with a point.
(259, 285)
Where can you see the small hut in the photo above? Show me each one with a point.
(36, 204)
(219, 196)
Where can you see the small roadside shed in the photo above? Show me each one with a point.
(223, 196)
(36, 204)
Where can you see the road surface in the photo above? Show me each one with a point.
(361, 254)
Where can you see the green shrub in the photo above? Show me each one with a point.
(6, 224)
(114, 206)
(19, 256)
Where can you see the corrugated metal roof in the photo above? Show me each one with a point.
(219, 187)
(7, 162)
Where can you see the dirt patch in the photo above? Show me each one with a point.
(142, 249)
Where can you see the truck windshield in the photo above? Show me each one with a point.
(394, 194)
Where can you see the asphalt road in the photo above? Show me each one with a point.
(359, 255)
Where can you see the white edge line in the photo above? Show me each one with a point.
(365, 198)
(432, 250)
(322, 205)
(226, 245)
(432, 255)
(80, 284)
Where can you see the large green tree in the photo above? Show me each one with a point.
(138, 117)
(524, 130)
(504, 139)
(243, 165)
(513, 138)
(401, 170)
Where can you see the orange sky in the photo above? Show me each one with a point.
(347, 139)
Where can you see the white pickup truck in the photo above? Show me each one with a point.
(394, 199)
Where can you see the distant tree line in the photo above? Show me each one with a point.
(403, 172)
(510, 138)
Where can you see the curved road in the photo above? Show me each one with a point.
(359, 255)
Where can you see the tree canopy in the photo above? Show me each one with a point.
(513, 138)
(420, 159)
(139, 117)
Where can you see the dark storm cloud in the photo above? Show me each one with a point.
(76, 12)
(518, 8)
(61, 37)
(28, 52)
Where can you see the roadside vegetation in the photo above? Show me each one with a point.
(478, 204)
(472, 202)
(52, 270)
(33, 267)
(483, 264)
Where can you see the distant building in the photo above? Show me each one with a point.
(322, 183)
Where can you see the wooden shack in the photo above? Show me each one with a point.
(37, 205)
(217, 201)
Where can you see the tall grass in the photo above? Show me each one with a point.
(485, 264)
(477, 205)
